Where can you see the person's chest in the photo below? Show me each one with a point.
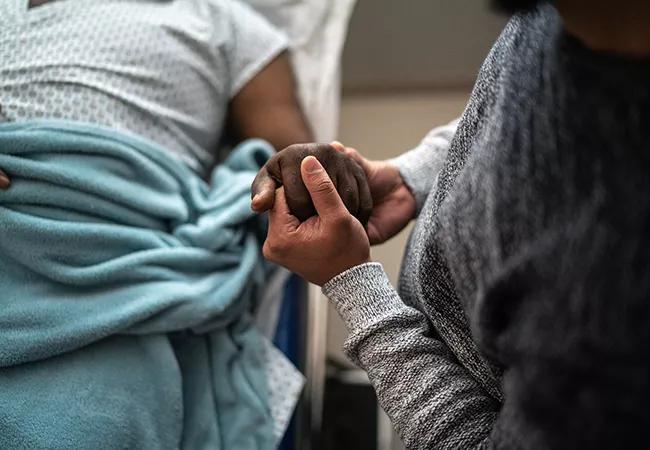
(470, 221)
(155, 65)
(555, 174)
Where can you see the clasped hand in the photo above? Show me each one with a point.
(322, 225)
(319, 247)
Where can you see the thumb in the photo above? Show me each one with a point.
(323, 194)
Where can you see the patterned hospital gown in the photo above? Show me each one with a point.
(165, 70)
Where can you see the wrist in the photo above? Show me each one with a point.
(343, 267)
(362, 295)
(403, 185)
(414, 177)
(348, 267)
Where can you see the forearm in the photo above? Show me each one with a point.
(432, 401)
(420, 166)
(268, 107)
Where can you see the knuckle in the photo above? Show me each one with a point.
(263, 173)
(292, 149)
(324, 149)
(341, 222)
(270, 162)
(295, 152)
(272, 248)
(278, 247)
(266, 250)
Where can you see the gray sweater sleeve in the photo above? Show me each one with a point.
(432, 401)
(420, 166)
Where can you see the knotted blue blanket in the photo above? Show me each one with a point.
(126, 284)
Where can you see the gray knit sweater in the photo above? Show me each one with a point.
(523, 313)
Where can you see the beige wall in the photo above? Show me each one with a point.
(417, 44)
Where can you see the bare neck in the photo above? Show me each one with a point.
(621, 27)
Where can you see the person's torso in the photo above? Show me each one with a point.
(552, 148)
(156, 69)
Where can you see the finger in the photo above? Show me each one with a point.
(323, 193)
(296, 192)
(4, 180)
(280, 206)
(356, 156)
(348, 191)
(280, 217)
(365, 198)
(374, 235)
(281, 226)
(338, 146)
(263, 191)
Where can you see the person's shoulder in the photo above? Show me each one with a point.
(524, 38)
(533, 27)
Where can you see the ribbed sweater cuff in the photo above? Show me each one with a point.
(417, 174)
(420, 167)
(363, 295)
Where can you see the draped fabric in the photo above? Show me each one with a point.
(126, 285)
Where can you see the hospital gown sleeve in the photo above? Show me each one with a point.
(254, 42)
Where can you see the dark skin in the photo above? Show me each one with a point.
(267, 107)
(283, 169)
(599, 24)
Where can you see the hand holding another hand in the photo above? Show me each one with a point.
(324, 245)
(283, 169)
(393, 203)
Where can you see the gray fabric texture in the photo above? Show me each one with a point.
(420, 166)
(522, 314)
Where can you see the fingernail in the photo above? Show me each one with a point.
(256, 198)
(4, 181)
(311, 164)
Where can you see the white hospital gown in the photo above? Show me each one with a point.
(165, 70)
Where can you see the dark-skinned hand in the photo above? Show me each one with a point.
(283, 169)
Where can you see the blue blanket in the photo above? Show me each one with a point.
(126, 284)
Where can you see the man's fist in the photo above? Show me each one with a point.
(323, 246)
(283, 169)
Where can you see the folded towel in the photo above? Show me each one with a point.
(126, 285)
